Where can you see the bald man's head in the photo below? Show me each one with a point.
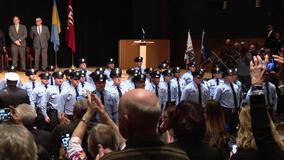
(139, 107)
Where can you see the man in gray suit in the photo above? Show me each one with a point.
(40, 34)
(18, 35)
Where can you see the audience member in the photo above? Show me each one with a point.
(269, 36)
(189, 127)
(28, 115)
(165, 126)
(246, 145)
(226, 51)
(215, 119)
(221, 142)
(243, 66)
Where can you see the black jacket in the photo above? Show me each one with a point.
(18, 95)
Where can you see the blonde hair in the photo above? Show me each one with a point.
(245, 138)
(104, 135)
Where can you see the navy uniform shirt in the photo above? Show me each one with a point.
(51, 99)
(110, 105)
(191, 92)
(212, 85)
(68, 98)
(29, 86)
(173, 90)
(37, 94)
(224, 95)
(3, 84)
(187, 77)
(273, 99)
(162, 94)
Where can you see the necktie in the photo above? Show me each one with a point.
(82, 84)
(17, 29)
(33, 85)
(140, 71)
(217, 80)
(59, 89)
(169, 92)
(38, 30)
(77, 93)
(51, 81)
(119, 92)
(157, 92)
(234, 94)
(45, 86)
(199, 95)
(267, 93)
(179, 91)
(102, 98)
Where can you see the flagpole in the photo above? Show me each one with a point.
(56, 60)
(73, 60)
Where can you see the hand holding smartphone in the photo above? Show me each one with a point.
(233, 146)
(5, 114)
(65, 138)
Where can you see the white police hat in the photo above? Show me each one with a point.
(12, 76)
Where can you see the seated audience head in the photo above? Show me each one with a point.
(268, 52)
(236, 45)
(139, 112)
(188, 121)
(27, 114)
(221, 142)
(80, 108)
(17, 143)
(252, 48)
(214, 115)
(245, 138)
(104, 135)
(227, 42)
(168, 115)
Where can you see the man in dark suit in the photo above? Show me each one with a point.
(2, 47)
(12, 95)
(27, 114)
(40, 35)
(18, 35)
(269, 36)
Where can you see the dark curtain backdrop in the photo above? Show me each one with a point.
(98, 26)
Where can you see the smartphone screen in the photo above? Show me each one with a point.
(270, 65)
(233, 147)
(65, 138)
(4, 114)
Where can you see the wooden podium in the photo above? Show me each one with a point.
(153, 54)
(143, 50)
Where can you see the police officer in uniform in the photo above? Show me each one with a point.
(228, 95)
(83, 84)
(148, 72)
(188, 75)
(110, 65)
(196, 90)
(129, 84)
(12, 95)
(107, 99)
(215, 81)
(67, 82)
(139, 81)
(239, 84)
(50, 69)
(49, 105)
(117, 89)
(180, 82)
(138, 61)
(71, 94)
(36, 98)
(83, 65)
(32, 83)
(172, 89)
(270, 94)
(10, 69)
(162, 67)
(158, 88)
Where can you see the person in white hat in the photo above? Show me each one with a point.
(12, 95)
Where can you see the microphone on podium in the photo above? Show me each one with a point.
(143, 31)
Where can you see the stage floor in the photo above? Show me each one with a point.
(24, 78)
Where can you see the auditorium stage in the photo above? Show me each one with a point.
(24, 78)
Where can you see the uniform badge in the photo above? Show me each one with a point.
(193, 91)
(54, 94)
(109, 98)
(113, 93)
(83, 92)
(162, 90)
(29, 87)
